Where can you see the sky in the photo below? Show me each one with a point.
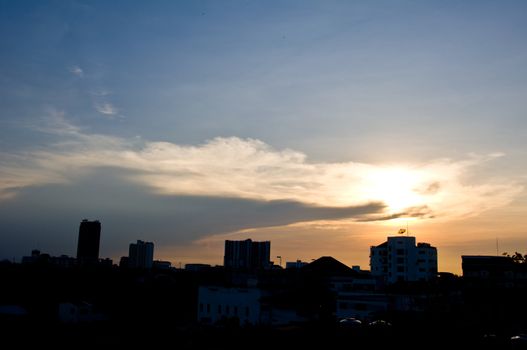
(323, 126)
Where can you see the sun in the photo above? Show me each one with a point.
(397, 187)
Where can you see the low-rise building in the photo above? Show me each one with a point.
(220, 303)
(361, 305)
(295, 264)
(78, 313)
(499, 271)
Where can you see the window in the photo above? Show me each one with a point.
(400, 251)
(422, 270)
(208, 308)
(200, 307)
(246, 311)
(400, 268)
(400, 260)
(219, 309)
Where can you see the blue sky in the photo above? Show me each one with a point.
(422, 85)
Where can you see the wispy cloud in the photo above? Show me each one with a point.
(76, 70)
(251, 169)
(106, 108)
(101, 92)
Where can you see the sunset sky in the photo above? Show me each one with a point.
(323, 126)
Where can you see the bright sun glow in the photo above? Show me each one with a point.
(397, 187)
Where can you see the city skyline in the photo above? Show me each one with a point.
(420, 263)
(322, 127)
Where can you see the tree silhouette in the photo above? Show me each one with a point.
(517, 257)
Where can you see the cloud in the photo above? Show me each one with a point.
(421, 212)
(251, 169)
(76, 70)
(106, 108)
(130, 212)
(101, 92)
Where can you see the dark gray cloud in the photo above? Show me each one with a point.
(420, 212)
(47, 217)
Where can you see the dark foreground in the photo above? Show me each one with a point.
(157, 335)
(158, 310)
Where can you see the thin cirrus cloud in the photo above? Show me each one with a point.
(76, 70)
(106, 108)
(101, 92)
(251, 169)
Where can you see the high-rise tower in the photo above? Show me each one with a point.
(88, 243)
(141, 255)
(247, 254)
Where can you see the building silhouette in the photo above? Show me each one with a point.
(221, 303)
(88, 243)
(400, 259)
(497, 271)
(141, 255)
(295, 264)
(247, 254)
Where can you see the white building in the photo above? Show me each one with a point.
(78, 312)
(217, 303)
(362, 305)
(400, 259)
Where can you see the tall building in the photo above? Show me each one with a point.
(247, 254)
(88, 243)
(141, 255)
(400, 259)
